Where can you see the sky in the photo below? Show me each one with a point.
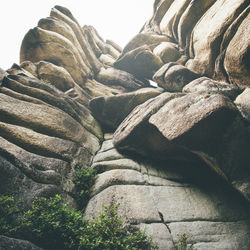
(118, 20)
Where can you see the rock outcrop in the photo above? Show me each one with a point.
(176, 157)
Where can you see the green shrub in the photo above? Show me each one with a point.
(182, 244)
(8, 215)
(108, 232)
(46, 81)
(51, 224)
(84, 179)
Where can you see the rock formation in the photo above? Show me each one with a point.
(176, 157)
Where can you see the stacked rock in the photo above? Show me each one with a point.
(176, 157)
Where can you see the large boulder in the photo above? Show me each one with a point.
(208, 34)
(238, 53)
(150, 39)
(175, 125)
(140, 62)
(243, 103)
(173, 77)
(111, 111)
(168, 52)
(205, 84)
(112, 76)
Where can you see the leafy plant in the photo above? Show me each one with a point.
(51, 224)
(108, 232)
(8, 215)
(46, 81)
(182, 244)
(84, 179)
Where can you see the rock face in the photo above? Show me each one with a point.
(46, 125)
(176, 157)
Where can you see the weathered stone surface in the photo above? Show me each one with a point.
(61, 27)
(175, 77)
(172, 16)
(35, 165)
(33, 116)
(237, 55)
(140, 62)
(115, 45)
(50, 95)
(107, 144)
(134, 209)
(45, 48)
(158, 77)
(107, 59)
(197, 111)
(96, 41)
(214, 235)
(30, 67)
(204, 84)
(16, 244)
(181, 160)
(108, 110)
(117, 177)
(122, 163)
(160, 8)
(15, 183)
(57, 76)
(208, 33)
(17, 70)
(199, 204)
(144, 39)
(108, 155)
(179, 124)
(112, 76)
(56, 12)
(130, 135)
(160, 234)
(218, 116)
(243, 103)
(167, 51)
(206, 207)
(38, 143)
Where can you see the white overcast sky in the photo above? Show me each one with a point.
(118, 20)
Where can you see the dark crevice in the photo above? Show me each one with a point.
(162, 219)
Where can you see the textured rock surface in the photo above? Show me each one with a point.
(177, 162)
(204, 84)
(164, 199)
(212, 34)
(243, 103)
(173, 77)
(15, 244)
(111, 111)
(46, 127)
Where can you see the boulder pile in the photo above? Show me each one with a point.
(175, 156)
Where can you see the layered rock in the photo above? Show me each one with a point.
(47, 128)
(207, 37)
(167, 198)
(177, 159)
